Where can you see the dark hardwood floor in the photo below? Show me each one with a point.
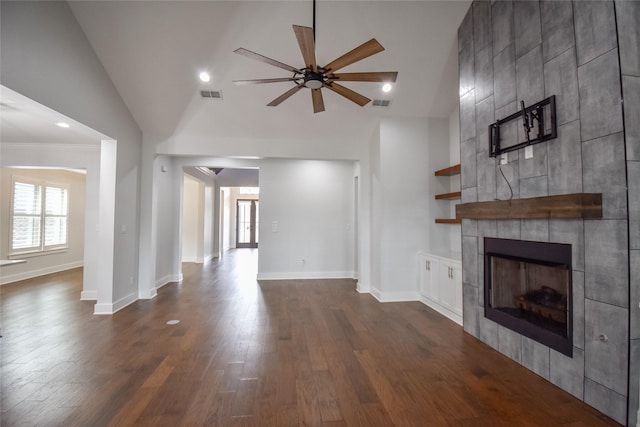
(313, 353)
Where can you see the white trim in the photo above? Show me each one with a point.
(363, 288)
(163, 281)
(89, 295)
(169, 278)
(190, 259)
(395, 296)
(147, 293)
(297, 275)
(116, 306)
(376, 294)
(4, 280)
(442, 310)
(50, 146)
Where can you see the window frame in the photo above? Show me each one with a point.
(41, 249)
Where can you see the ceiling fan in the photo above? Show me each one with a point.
(315, 77)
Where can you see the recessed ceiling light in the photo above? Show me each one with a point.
(386, 87)
(63, 125)
(204, 76)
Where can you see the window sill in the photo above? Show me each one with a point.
(22, 255)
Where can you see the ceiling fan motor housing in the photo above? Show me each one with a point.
(313, 80)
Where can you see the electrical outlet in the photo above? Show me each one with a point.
(528, 152)
(504, 158)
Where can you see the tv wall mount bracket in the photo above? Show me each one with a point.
(532, 117)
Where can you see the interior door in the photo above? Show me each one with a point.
(247, 223)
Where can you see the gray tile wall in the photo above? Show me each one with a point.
(628, 17)
(529, 50)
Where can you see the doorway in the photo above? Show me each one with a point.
(247, 223)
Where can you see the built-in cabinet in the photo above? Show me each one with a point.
(441, 285)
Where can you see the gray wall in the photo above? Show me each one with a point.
(628, 19)
(529, 50)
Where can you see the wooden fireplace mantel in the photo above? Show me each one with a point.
(565, 206)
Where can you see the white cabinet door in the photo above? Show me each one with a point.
(428, 285)
(441, 285)
(457, 285)
(447, 286)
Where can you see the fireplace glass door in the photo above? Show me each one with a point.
(528, 289)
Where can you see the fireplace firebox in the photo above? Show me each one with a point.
(527, 288)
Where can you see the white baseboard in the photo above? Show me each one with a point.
(147, 293)
(116, 306)
(189, 259)
(88, 295)
(451, 315)
(30, 274)
(395, 296)
(302, 275)
(163, 281)
(363, 288)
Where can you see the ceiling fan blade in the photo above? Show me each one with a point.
(365, 50)
(348, 93)
(262, 58)
(383, 76)
(258, 81)
(318, 102)
(285, 95)
(307, 46)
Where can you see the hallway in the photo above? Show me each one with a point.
(275, 353)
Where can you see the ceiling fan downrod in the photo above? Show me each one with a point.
(314, 20)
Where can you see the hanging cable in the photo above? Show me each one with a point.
(507, 181)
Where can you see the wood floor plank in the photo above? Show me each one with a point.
(249, 354)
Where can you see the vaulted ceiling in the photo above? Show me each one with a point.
(154, 50)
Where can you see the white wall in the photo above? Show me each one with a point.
(411, 149)
(46, 57)
(190, 214)
(46, 263)
(306, 212)
(209, 207)
(87, 157)
(165, 247)
(225, 221)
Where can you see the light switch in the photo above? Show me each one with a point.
(274, 226)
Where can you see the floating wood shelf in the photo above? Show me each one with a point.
(448, 221)
(454, 195)
(565, 206)
(450, 171)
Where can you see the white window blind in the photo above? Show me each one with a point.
(39, 217)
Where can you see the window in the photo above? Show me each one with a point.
(249, 190)
(38, 217)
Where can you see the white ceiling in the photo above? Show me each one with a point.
(23, 120)
(154, 50)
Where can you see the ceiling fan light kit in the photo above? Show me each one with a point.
(313, 77)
